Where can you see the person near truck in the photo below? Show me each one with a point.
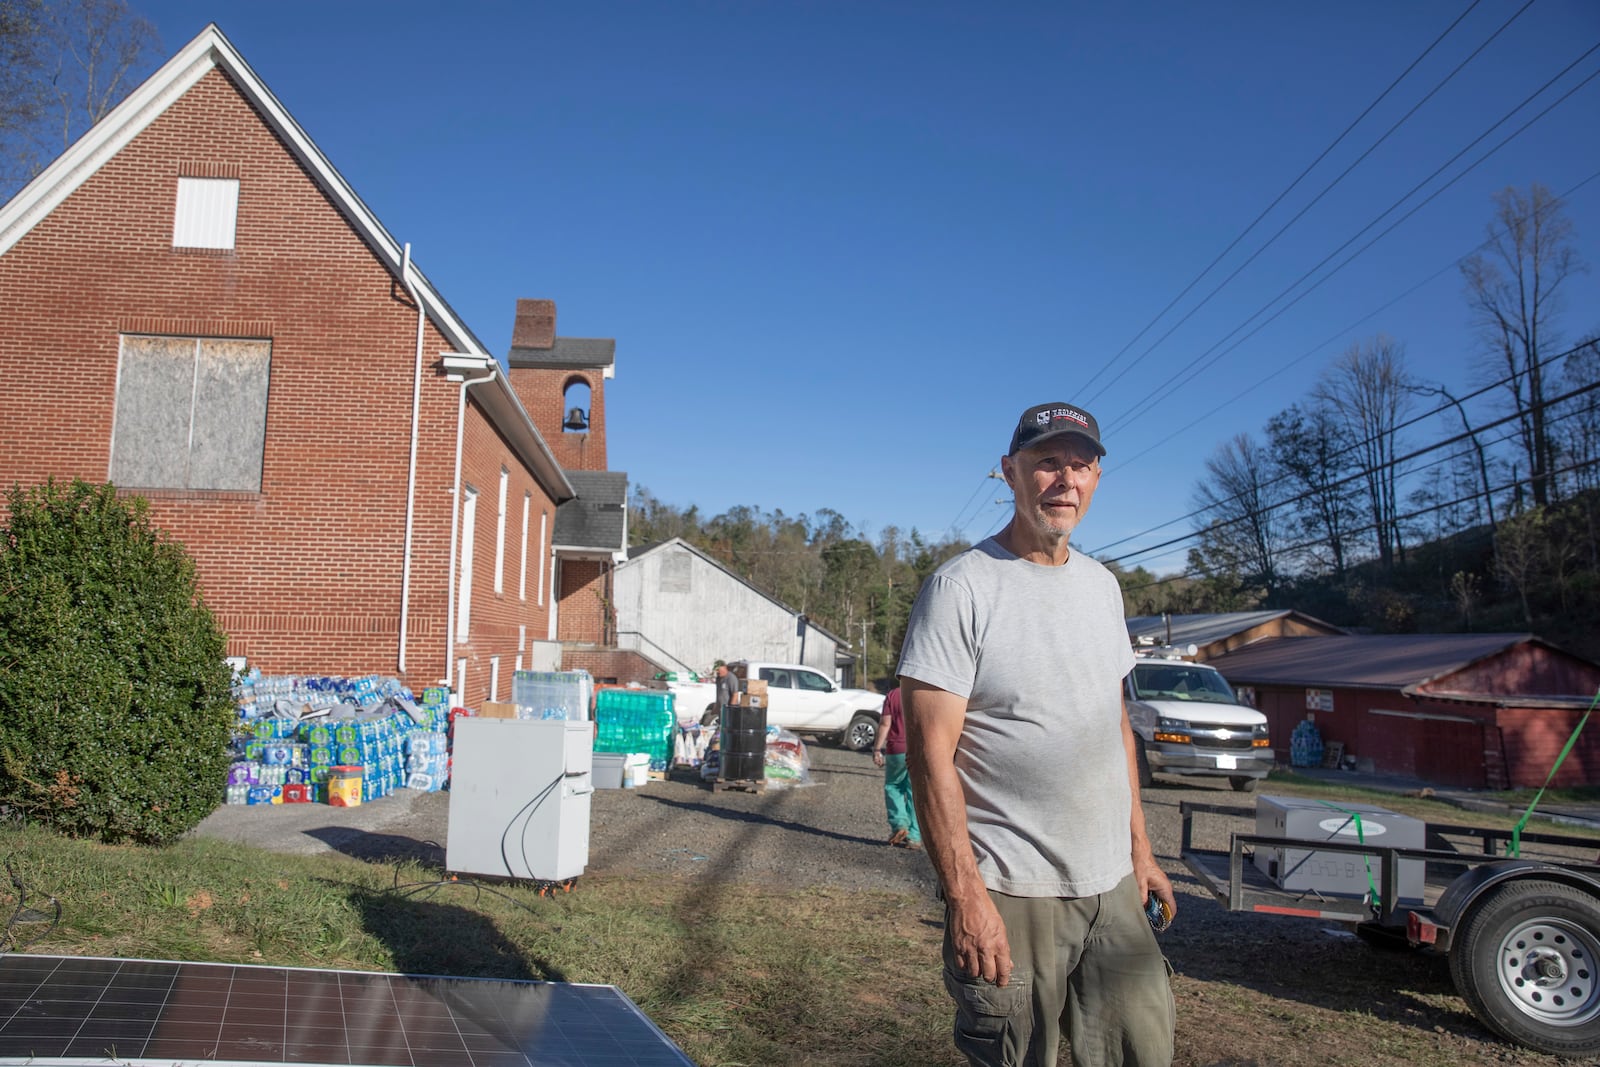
(1022, 765)
(727, 685)
(889, 752)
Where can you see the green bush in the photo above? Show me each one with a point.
(115, 703)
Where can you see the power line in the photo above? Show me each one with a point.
(1195, 366)
(1363, 473)
(1362, 442)
(1302, 546)
(1318, 198)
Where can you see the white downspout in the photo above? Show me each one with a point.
(455, 524)
(411, 474)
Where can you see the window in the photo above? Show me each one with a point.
(469, 530)
(207, 213)
(500, 534)
(812, 681)
(191, 413)
(522, 577)
(776, 678)
(494, 677)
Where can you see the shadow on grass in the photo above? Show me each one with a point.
(379, 848)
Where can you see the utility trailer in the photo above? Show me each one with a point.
(1522, 936)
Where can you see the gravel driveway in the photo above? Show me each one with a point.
(828, 833)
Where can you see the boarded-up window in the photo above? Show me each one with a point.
(207, 213)
(191, 413)
(675, 574)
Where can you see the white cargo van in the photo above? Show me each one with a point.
(1187, 720)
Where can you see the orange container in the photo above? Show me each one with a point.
(344, 787)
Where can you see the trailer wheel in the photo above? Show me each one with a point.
(1527, 961)
(1146, 779)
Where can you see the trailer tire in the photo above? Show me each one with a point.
(1526, 959)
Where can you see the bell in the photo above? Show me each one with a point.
(576, 420)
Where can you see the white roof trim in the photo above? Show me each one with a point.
(208, 51)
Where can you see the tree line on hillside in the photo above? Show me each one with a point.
(1379, 501)
(858, 589)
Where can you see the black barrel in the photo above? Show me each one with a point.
(743, 743)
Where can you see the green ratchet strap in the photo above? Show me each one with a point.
(1361, 838)
(1514, 846)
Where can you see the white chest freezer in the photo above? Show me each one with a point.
(1342, 874)
(519, 798)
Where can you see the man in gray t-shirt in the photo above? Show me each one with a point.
(1022, 766)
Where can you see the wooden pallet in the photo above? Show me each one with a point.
(747, 784)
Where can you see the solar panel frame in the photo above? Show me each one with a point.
(91, 1009)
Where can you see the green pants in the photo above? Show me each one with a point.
(897, 797)
(1087, 968)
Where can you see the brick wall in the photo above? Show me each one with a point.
(585, 592)
(608, 664)
(306, 574)
(543, 393)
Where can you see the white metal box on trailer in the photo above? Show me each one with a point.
(1342, 874)
(520, 791)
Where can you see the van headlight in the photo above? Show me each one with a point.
(1258, 737)
(1173, 731)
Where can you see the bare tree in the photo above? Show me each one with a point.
(1371, 390)
(1578, 438)
(1309, 445)
(63, 65)
(1239, 498)
(1513, 290)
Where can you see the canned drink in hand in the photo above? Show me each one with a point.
(1158, 914)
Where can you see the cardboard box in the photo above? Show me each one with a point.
(496, 709)
(751, 700)
(756, 687)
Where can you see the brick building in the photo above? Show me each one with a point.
(198, 308)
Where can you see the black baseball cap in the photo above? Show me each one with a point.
(1044, 421)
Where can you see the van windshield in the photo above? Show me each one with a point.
(1180, 681)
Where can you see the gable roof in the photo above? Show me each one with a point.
(639, 551)
(597, 519)
(211, 50)
(1384, 661)
(1204, 629)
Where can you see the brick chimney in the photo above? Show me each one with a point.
(536, 324)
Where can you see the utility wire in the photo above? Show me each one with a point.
(1327, 188)
(1363, 442)
(1284, 367)
(1361, 473)
(1302, 546)
(1200, 362)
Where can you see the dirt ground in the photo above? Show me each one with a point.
(1251, 990)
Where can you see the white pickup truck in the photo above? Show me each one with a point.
(799, 698)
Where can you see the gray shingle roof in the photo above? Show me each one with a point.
(597, 517)
(1204, 629)
(1389, 661)
(567, 352)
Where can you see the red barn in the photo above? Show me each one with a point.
(1473, 710)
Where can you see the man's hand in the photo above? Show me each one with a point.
(1150, 878)
(979, 939)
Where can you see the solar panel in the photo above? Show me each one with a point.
(77, 1009)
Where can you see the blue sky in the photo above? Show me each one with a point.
(842, 245)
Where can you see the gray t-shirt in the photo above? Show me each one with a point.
(1039, 652)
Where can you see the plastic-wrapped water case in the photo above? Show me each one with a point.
(552, 694)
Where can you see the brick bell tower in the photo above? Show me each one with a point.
(561, 383)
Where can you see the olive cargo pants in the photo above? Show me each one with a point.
(1088, 967)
